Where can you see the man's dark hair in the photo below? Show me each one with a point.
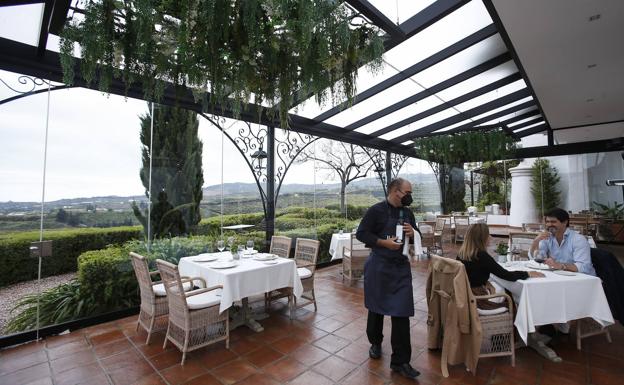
(560, 214)
(395, 184)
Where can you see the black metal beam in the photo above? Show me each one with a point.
(506, 111)
(531, 131)
(59, 15)
(481, 68)
(489, 5)
(429, 16)
(597, 146)
(22, 58)
(528, 123)
(484, 108)
(587, 125)
(378, 18)
(412, 70)
(45, 27)
(446, 105)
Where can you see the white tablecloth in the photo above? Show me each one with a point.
(337, 244)
(555, 299)
(249, 278)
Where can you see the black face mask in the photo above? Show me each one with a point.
(406, 200)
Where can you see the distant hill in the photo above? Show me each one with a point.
(427, 181)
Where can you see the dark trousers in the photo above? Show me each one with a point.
(400, 336)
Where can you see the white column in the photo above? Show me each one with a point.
(522, 204)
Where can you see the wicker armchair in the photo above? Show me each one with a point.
(280, 246)
(461, 227)
(497, 330)
(427, 235)
(443, 233)
(353, 259)
(194, 319)
(154, 308)
(306, 253)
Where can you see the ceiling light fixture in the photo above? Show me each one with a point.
(589, 100)
(591, 65)
(594, 17)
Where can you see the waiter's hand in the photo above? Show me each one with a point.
(389, 243)
(408, 230)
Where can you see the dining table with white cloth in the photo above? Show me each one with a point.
(554, 299)
(247, 278)
(337, 245)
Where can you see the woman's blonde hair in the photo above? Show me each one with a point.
(476, 240)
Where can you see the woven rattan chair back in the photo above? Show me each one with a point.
(178, 309)
(439, 225)
(461, 227)
(280, 246)
(153, 309)
(353, 259)
(306, 253)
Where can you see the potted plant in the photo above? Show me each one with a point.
(611, 227)
(501, 249)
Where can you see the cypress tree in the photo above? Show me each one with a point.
(544, 183)
(177, 176)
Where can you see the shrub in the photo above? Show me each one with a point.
(18, 266)
(212, 225)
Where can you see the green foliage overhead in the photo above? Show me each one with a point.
(238, 50)
(544, 186)
(464, 147)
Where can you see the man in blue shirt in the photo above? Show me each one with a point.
(566, 249)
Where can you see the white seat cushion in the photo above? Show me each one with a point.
(159, 289)
(304, 272)
(203, 300)
(499, 310)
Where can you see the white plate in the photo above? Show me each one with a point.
(250, 251)
(539, 266)
(564, 272)
(224, 264)
(273, 262)
(206, 258)
(265, 257)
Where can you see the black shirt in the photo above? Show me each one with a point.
(371, 227)
(479, 270)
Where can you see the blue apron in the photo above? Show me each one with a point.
(388, 279)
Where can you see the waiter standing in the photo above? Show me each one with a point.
(388, 274)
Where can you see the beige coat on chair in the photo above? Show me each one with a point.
(453, 321)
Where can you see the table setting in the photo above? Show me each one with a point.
(559, 297)
(242, 275)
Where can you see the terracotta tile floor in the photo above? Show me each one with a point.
(326, 347)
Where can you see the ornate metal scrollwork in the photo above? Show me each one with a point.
(251, 141)
(29, 82)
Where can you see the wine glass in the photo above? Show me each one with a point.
(230, 242)
(250, 245)
(515, 253)
(539, 256)
(220, 245)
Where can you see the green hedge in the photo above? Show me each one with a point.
(212, 225)
(18, 266)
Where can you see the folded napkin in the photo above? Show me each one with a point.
(417, 245)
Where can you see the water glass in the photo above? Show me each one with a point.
(250, 245)
(220, 245)
(340, 231)
(241, 251)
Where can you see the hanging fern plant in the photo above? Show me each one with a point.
(464, 147)
(239, 51)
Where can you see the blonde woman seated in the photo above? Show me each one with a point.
(479, 265)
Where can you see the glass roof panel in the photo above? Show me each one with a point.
(21, 23)
(399, 115)
(530, 126)
(420, 124)
(519, 122)
(400, 10)
(460, 62)
(478, 81)
(492, 95)
(510, 116)
(454, 125)
(506, 106)
(465, 21)
(365, 80)
(382, 100)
